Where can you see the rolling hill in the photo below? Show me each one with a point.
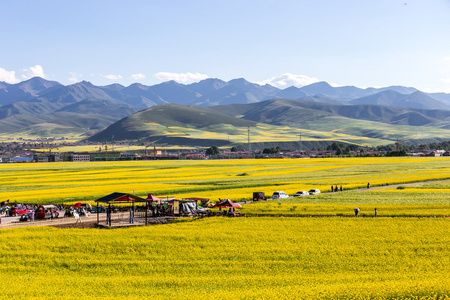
(218, 110)
(278, 121)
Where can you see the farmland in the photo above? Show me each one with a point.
(234, 179)
(316, 251)
(242, 258)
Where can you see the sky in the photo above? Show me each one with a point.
(364, 43)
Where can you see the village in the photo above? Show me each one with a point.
(29, 151)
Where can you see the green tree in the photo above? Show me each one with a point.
(347, 150)
(234, 149)
(213, 150)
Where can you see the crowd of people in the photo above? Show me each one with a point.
(31, 212)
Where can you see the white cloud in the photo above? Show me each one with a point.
(8, 76)
(75, 77)
(36, 71)
(138, 76)
(181, 77)
(287, 79)
(112, 77)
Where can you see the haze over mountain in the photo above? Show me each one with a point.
(38, 101)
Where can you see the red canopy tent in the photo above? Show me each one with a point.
(150, 197)
(227, 203)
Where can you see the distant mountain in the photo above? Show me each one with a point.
(395, 99)
(289, 112)
(212, 92)
(74, 93)
(26, 90)
(113, 109)
(235, 91)
(46, 99)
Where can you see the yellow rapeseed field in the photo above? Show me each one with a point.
(234, 179)
(324, 254)
(241, 258)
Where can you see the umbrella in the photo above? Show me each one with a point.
(78, 204)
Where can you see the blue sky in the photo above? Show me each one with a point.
(362, 43)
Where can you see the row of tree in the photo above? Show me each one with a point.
(347, 149)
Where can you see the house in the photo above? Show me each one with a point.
(80, 157)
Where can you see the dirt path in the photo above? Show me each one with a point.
(394, 186)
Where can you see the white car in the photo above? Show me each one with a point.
(314, 191)
(301, 193)
(279, 195)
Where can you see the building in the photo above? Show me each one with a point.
(41, 158)
(80, 157)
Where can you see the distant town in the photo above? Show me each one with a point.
(52, 150)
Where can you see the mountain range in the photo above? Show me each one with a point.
(39, 107)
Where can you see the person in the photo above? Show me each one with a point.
(340, 188)
(332, 188)
(356, 211)
(376, 213)
(32, 216)
(230, 212)
(77, 216)
(336, 189)
(368, 185)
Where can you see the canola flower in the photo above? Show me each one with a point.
(234, 179)
(241, 258)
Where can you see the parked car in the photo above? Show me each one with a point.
(314, 191)
(18, 211)
(279, 195)
(258, 196)
(301, 193)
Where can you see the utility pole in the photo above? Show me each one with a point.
(249, 146)
(300, 136)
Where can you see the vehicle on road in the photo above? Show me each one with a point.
(18, 211)
(314, 191)
(279, 195)
(301, 193)
(259, 196)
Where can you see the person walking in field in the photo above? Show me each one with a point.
(356, 212)
(368, 185)
(376, 213)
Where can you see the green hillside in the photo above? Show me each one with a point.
(275, 121)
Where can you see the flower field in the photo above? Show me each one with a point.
(233, 179)
(318, 252)
(241, 258)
